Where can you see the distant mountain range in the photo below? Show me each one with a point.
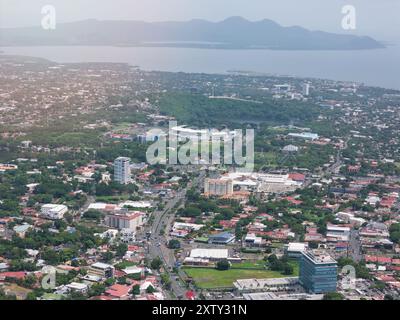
(232, 33)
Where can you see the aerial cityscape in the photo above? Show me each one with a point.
(124, 183)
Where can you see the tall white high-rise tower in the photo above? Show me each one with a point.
(122, 171)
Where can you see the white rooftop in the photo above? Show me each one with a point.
(54, 206)
(77, 286)
(209, 253)
(245, 284)
(136, 204)
(132, 270)
(296, 246)
(318, 257)
(101, 265)
(337, 228)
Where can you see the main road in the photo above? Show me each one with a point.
(334, 169)
(158, 240)
(355, 246)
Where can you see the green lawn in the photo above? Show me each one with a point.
(249, 265)
(277, 245)
(266, 159)
(125, 264)
(207, 278)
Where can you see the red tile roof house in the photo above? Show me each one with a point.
(6, 220)
(394, 268)
(293, 201)
(228, 223)
(133, 248)
(396, 261)
(266, 216)
(353, 169)
(119, 273)
(250, 209)
(82, 170)
(30, 212)
(14, 275)
(297, 177)
(386, 278)
(279, 234)
(68, 268)
(255, 226)
(388, 202)
(374, 164)
(162, 186)
(260, 233)
(377, 259)
(119, 291)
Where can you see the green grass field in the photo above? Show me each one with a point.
(249, 265)
(207, 278)
(210, 278)
(266, 159)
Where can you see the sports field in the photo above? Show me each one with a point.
(208, 278)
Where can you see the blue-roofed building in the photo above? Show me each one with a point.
(221, 238)
(318, 272)
(21, 230)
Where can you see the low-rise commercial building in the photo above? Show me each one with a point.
(273, 284)
(102, 270)
(54, 211)
(221, 238)
(337, 233)
(125, 220)
(211, 254)
(264, 296)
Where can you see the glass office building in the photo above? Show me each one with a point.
(318, 272)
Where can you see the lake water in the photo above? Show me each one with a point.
(380, 67)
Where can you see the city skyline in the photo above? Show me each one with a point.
(223, 162)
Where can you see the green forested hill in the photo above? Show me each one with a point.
(200, 110)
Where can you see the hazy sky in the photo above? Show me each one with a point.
(377, 18)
